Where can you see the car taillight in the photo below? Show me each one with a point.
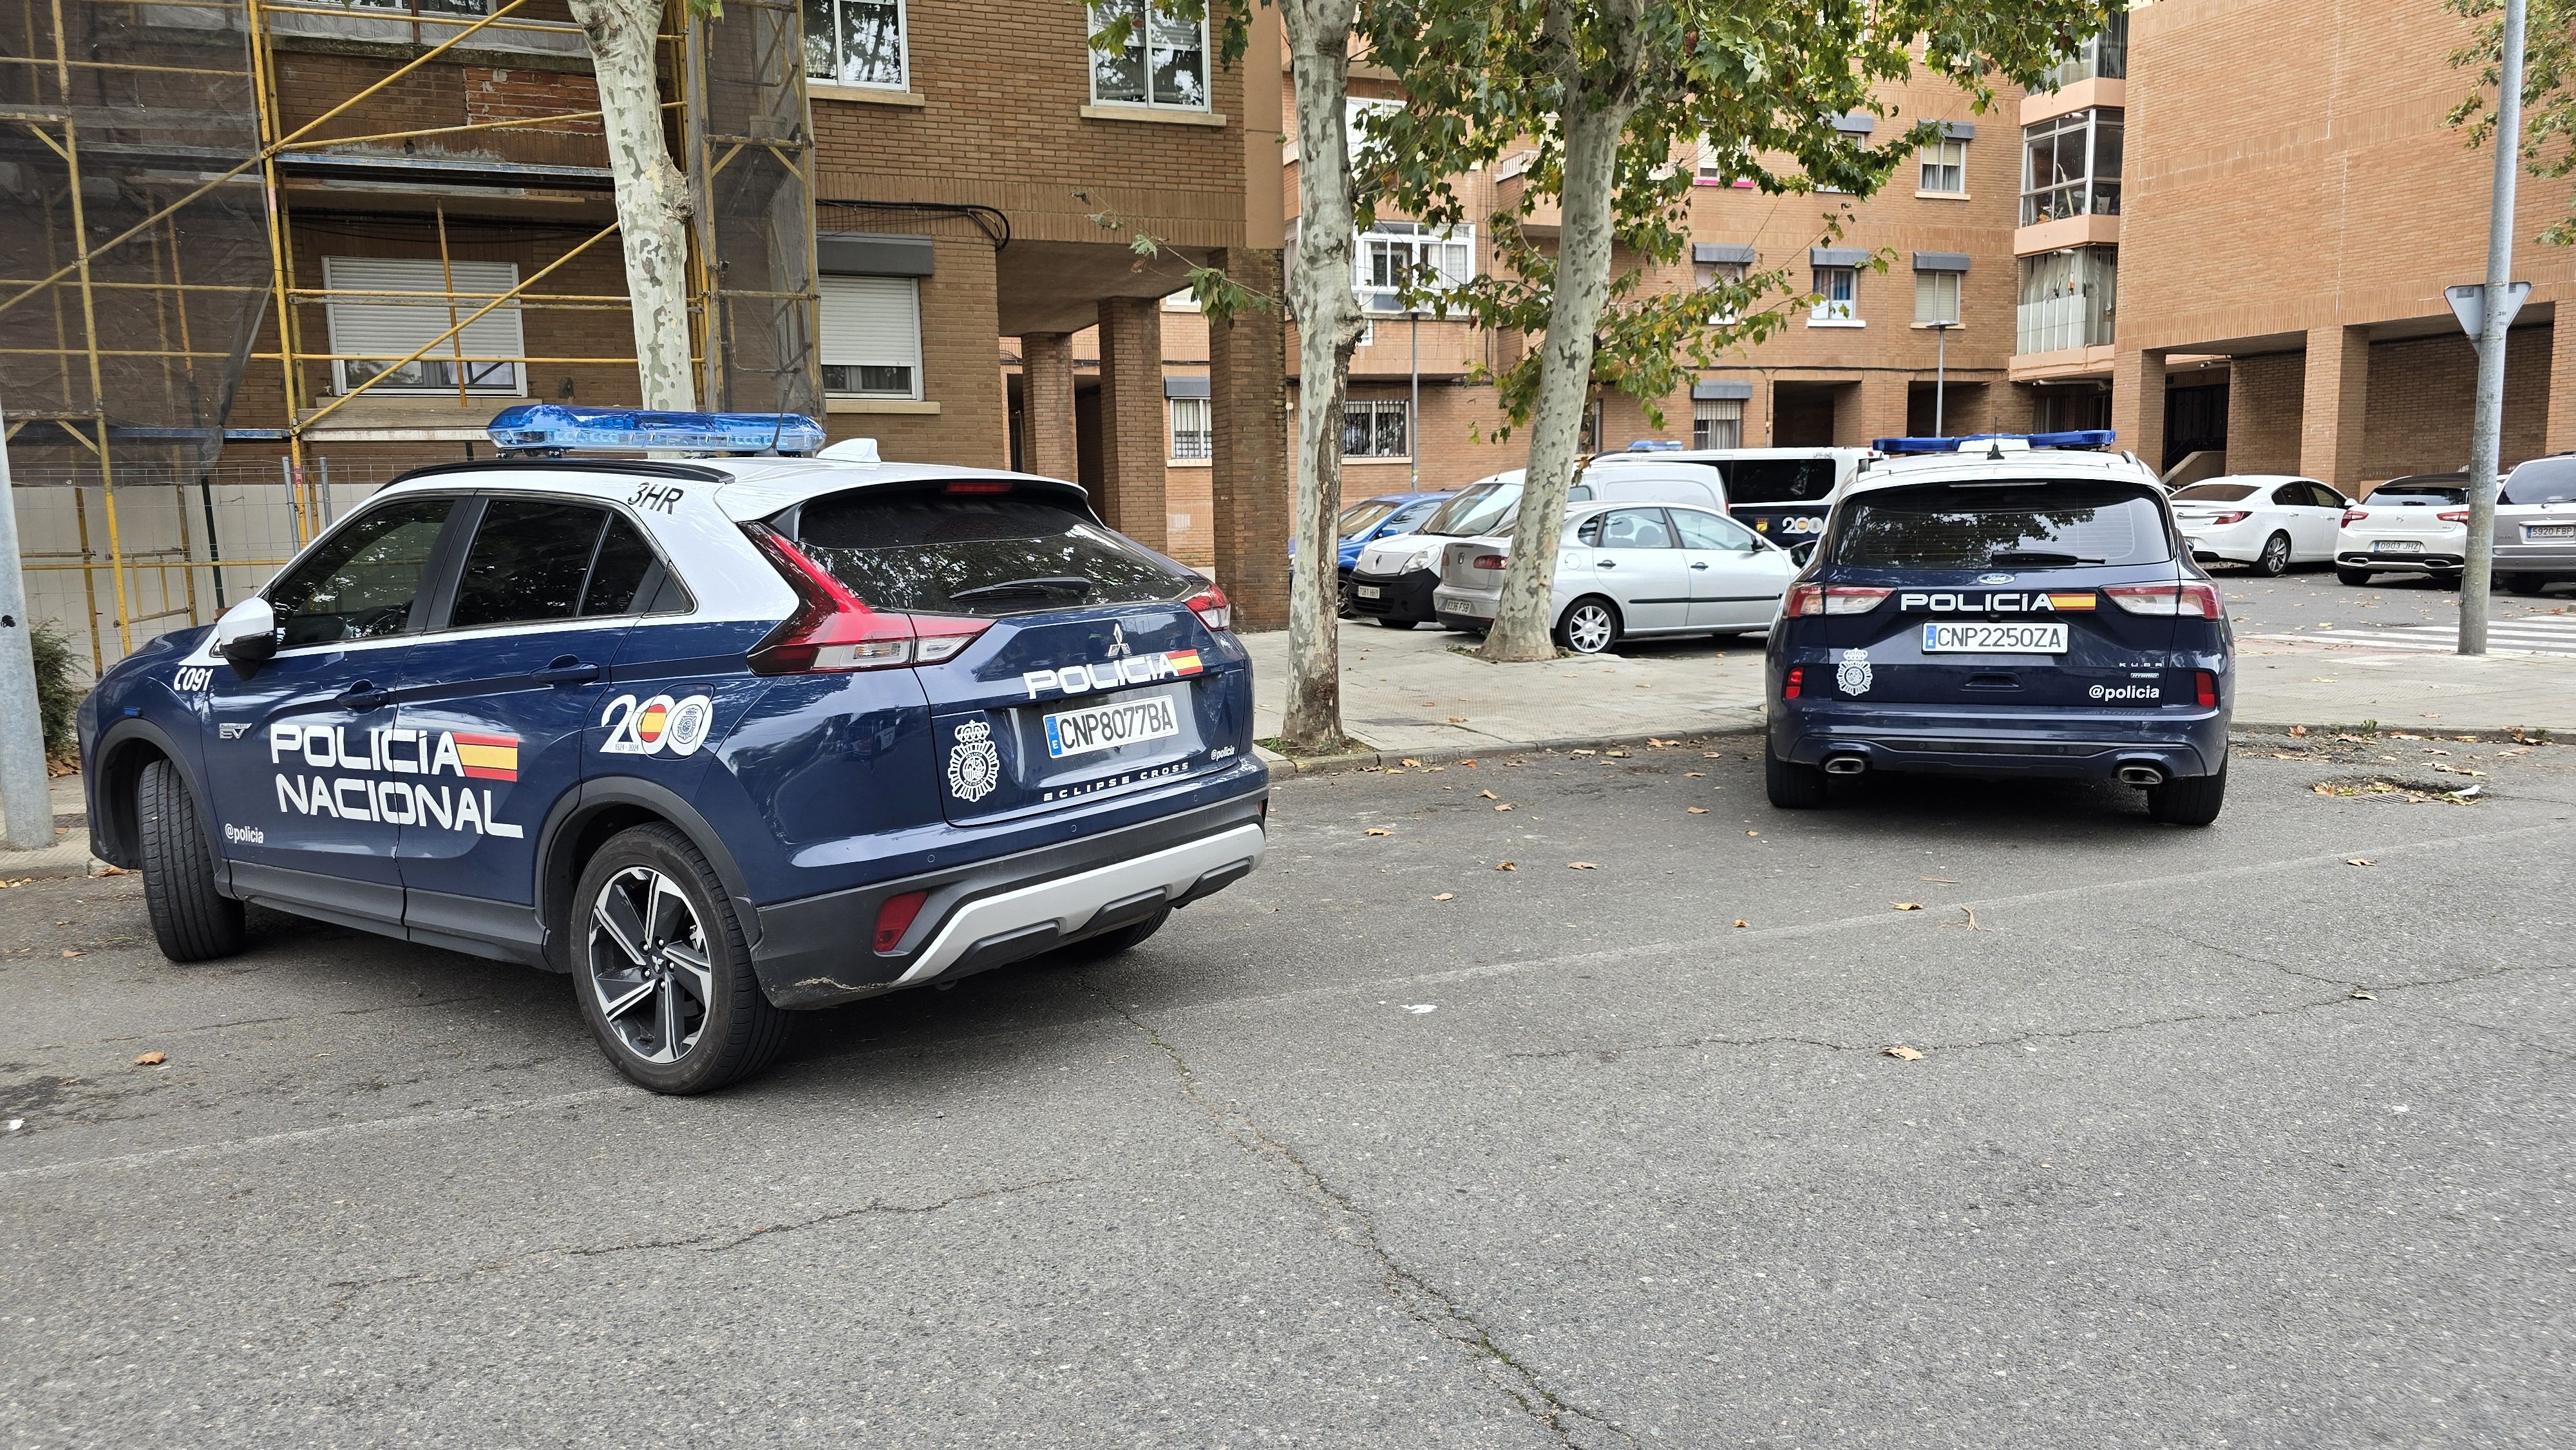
(2206, 688)
(1794, 682)
(2189, 600)
(894, 918)
(2453, 516)
(1487, 561)
(1812, 599)
(1214, 609)
(2231, 516)
(832, 629)
(2354, 516)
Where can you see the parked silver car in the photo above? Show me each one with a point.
(1628, 570)
(2535, 525)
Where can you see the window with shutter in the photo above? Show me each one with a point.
(374, 325)
(1717, 423)
(871, 336)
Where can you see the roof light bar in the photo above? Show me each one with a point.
(2076, 438)
(554, 428)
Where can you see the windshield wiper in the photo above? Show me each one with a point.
(2037, 556)
(1071, 584)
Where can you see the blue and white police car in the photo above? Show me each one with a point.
(721, 737)
(2004, 611)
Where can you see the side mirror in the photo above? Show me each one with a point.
(247, 636)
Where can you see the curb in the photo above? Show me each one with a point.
(66, 858)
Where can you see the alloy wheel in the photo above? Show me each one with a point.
(1588, 629)
(648, 965)
(2276, 555)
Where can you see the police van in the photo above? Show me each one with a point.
(721, 737)
(1783, 494)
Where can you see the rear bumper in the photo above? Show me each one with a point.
(2431, 561)
(818, 951)
(1400, 596)
(2553, 558)
(2071, 744)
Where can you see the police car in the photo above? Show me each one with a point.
(721, 737)
(2004, 611)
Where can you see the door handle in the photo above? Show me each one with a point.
(363, 697)
(566, 671)
(1702, 564)
(1605, 564)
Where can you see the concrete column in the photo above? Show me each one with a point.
(2138, 404)
(1249, 477)
(2334, 406)
(1870, 409)
(1046, 405)
(2561, 436)
(1133, 444)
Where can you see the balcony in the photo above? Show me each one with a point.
(2068, 302)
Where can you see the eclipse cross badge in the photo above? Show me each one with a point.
(1853, 673)
(974, 766)
(1118, 646)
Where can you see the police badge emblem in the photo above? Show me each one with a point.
(974, 766)
(1853, 673)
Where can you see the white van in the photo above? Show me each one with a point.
(1782, 494)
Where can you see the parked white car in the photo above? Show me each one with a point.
(2407, 524)
(2271, 521)
(1626, 571)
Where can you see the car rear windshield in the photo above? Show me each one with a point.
(2001, 525)
(1365, 515)
(931, 551)
(2395, 492)
(1778, 480)
(1479, 510)
(2542, 480)
(2213, 493)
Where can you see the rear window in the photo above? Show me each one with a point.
(1779, 480)
(1977, 526)
(2542, 480)
(2423, 493)
(2214, 493)
(933, 552)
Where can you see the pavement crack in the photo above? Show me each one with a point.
(1426, 1304)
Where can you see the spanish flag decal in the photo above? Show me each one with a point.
(1184, 661)
(2081, 601)
(488, 757)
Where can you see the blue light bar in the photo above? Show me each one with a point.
(2077, 438)
(556, 428)
(1655, 445)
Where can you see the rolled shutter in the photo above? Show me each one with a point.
(388, 329)
(871, 322)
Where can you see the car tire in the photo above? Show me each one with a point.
(2521, 583)
(654, 939)
(2273, 560)
(1385, 623)
(1791, 786)
(1589, 626)
(1345, 604)
(2191, 800)
(1110, 943)
(2344, 575)
(192, 921)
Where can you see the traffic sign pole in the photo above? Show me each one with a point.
(25, 798)
(2497, 303)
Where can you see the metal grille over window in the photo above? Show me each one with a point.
(871, 339)
(1717, 423)
(1376, 429)
(1162, 63)
(856, 43)
(372, 324)
(1192, 436)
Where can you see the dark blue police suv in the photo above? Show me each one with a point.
(1998, 613)
(718, 738)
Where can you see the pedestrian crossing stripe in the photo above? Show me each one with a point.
(2520, 635)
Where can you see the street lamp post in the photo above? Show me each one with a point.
(1940, 373)
(1413, 415)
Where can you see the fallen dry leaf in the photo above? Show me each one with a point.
(70, 953)
(1391, 770)
(1753, 833)
(1699, 810)
(1471, 765)
(2295, 730)
(1504, 806)
(2359, 861)
(1972, 918)
(1581, 866)
(1906, 905)
(1374, 831)
(2359, 995)
(1586, 752)
(1660, 744)
(1740, 921)
(1411, 761)
(1446, 896)
(1694, 774)
(1507, 866)
(1487, 795)
(151, 1059)
(1903, 1051)
(105, 870)
(1457, 719)
(1617, 754)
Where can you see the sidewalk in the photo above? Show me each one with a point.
(1412, 693)
(69, 855)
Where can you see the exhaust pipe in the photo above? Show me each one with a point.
(2141, 775)
(1845, 765)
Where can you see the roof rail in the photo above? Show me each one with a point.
(2095, 438)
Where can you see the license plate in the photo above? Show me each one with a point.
(2549, 531)
(1370, 591)
(1995, 639)
(2398, 546)
(1105, 727)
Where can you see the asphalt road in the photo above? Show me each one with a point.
(2216, 1139)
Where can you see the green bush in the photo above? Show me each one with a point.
(58, 691)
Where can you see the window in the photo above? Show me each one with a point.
(2538, 481)
(1779, 480)
(1628, 529)
(361, 582)
(2105, 55)
(871, 341)
(1184, 300)
(1936, 298)
(1163, 63)
(2071, 167)
(1357, 115)
(1719, 274)
(2067, 300)
(1937, 526)
(857, 43)
(922, 549)
(1836, 295)
(1376, 429)
(1717, 423)
(1192, 436)
(370, 332)
(1708, 531)
(1944, 168)
(529, 563)
(1394, 254)
(1717, 169)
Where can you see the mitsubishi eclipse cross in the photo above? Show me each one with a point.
(719, 738)
(1990, 613)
